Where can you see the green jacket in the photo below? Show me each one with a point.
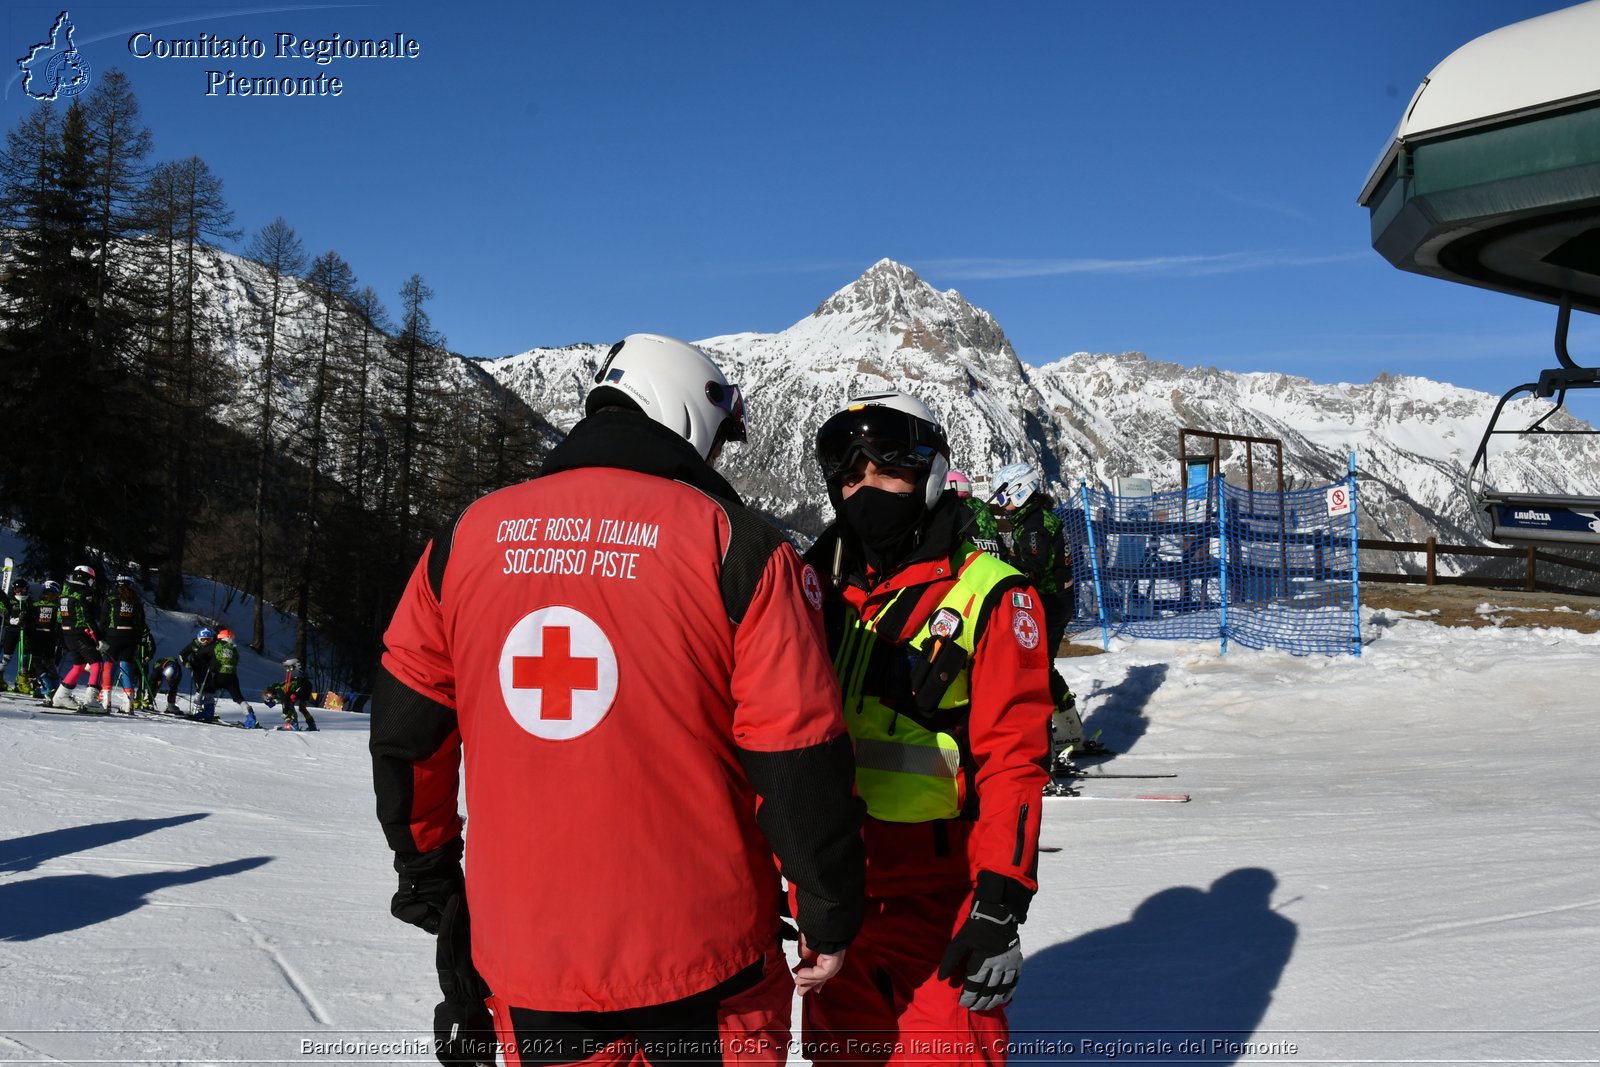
(1038, 549)
(983, 529)
(74, 614)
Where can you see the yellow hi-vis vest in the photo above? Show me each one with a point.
(905, 771)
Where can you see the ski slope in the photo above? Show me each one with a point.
(1387, 860)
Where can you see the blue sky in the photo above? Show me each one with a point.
(1170, 177)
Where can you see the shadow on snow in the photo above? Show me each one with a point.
(1119, 718)
(1192, 968)
(55, 904)
(26, 853)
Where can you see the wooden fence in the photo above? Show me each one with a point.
(1431, 550)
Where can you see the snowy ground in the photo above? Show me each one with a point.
(1387, 859)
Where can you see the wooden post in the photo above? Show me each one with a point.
(1531, 584)
(1433, 566)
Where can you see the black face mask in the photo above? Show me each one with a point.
(885, 523)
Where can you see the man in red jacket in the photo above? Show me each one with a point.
(945, 671)
(632, 669)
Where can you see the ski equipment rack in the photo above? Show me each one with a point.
(1537, 518)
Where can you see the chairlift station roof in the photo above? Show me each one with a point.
(1492, 177)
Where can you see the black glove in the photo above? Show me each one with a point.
(463, 1029)
(988, 952)
(427, 882)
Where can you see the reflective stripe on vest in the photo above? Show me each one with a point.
(904, 771)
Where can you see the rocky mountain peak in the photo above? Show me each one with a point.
(888, 291)
(892, 297)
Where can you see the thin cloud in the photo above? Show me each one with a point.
(1179, 266)
(1288, 210)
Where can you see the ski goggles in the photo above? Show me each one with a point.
(731, 401)
(888, 437)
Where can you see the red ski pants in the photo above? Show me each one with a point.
(888, 1007)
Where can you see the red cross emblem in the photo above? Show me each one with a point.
(558, 673)
(1025, 630)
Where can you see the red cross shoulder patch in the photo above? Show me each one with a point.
(558, 673)
(1025, 630)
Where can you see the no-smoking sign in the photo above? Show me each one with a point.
(1339, 500)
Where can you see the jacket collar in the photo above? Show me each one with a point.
(630, 440)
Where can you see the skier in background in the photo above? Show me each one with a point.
(168, 674)
(81, 639)
(42, 642)
(125, 630)
(982, 531)
(200, 656)
(13, 622)
(225, 676)
(294, 693)
(1031, 532)
(940, 653)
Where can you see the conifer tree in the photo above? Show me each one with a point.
(48, 355)
(118, 146)
(279, 252)
(331, 284)
(186, 209)
(417, 354)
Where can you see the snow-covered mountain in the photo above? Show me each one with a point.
(236, 292)
(1092, 416)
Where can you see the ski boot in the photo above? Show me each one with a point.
(64, 699)
(249, 717)
(1062, 772)
(1092, 747)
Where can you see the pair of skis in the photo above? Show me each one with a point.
(1067, 783)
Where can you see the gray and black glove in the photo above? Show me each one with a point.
(427, 882)
(986, 952)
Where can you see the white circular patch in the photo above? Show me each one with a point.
(1025, 629)
(558, 673)
(812, 586)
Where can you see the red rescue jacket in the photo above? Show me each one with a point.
(1006, 740)
(626, 662)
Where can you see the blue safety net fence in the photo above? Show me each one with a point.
(1217, 562)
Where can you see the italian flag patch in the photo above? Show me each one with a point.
(1020, 599)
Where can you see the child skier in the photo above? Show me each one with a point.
(199, 656)
(295, 694)
(226, 676)
(125, 629)
(81, 639)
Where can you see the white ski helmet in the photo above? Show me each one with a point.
(82, 574)
(1013, 484)
(892, 428)
(674, 383)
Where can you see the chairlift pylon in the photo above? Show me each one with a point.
(1537, 518)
